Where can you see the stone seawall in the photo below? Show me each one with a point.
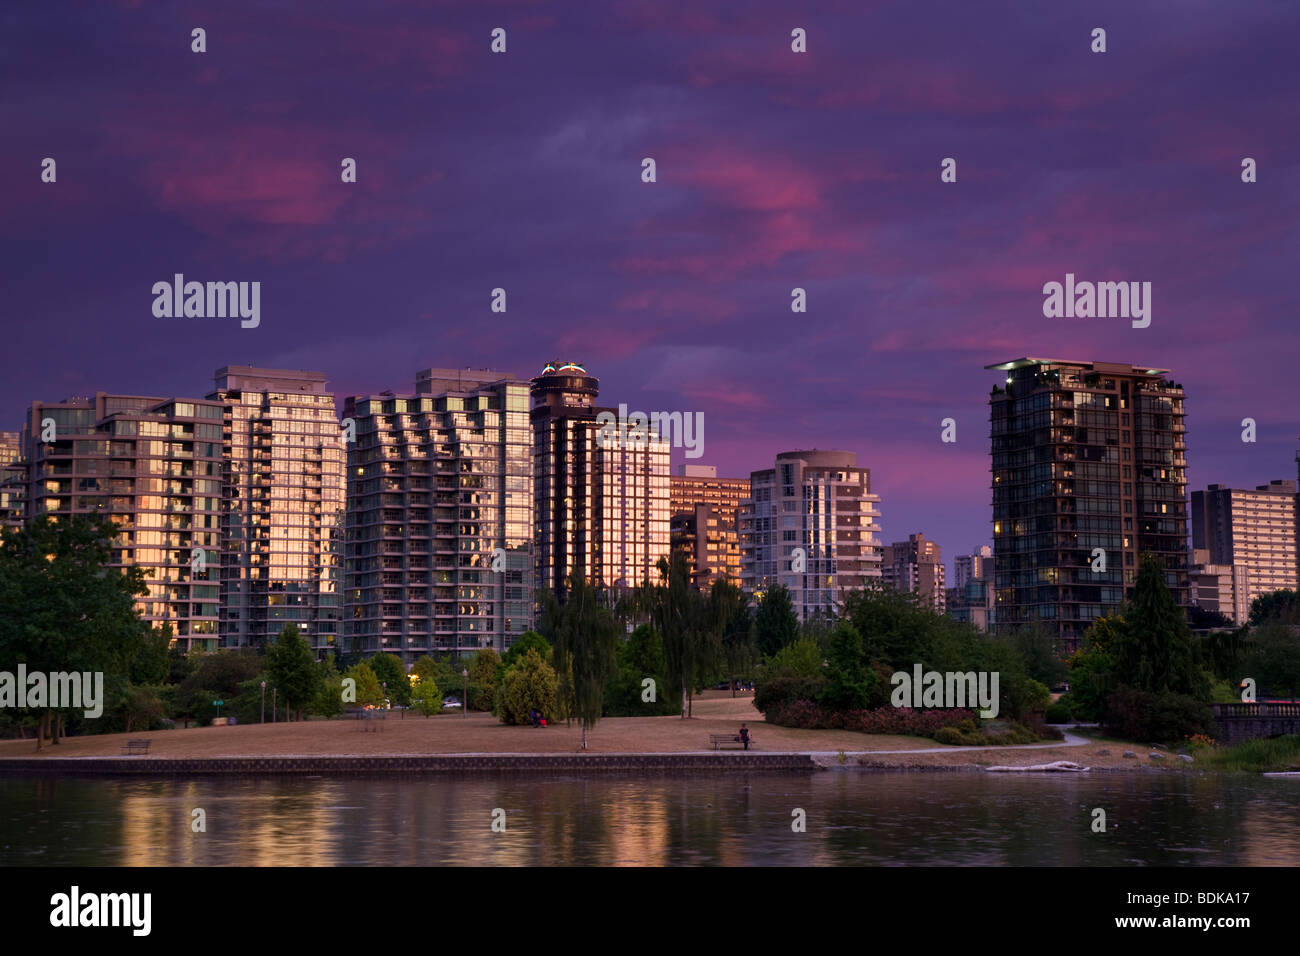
(433, 763)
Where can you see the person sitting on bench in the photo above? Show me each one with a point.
(744, 736)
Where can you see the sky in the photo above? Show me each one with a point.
(775, 170)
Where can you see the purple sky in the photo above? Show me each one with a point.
(775, 170)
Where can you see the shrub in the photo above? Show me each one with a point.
(1058, 713)
(949, 736)
(776, 692)
(530, 684)
(1165, 718)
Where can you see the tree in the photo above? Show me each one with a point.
(141, 705)
(427, 697)
(775, 622)
(851, 683)
(368, 690)
(65, 610)
(728, 608)
(1202, 619)
(529, 640)
(678, 613)
(1153, 651)
(390, 670)
(585, 636)
(1273, 659)
(1036, 648)
(1283, 606)
(531, 684)
(291, 668)
(640, 657)
(329, 696)
(483, 676)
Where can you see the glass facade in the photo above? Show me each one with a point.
(283, 486)
(153, 468)
(436, 483)
(1085, 456)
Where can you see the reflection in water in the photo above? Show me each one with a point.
(616, 820)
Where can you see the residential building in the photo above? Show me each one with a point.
(153, 467)
(973, 603)
(915, 566)
(1212, 585)
(13, 481)
(819, 502)
(1253, 533)
(978, 565)
(438, 553)
(600, 506)
(703, 508)
(1089, 474)
(283, 487)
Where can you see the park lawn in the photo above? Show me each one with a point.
(406, 732)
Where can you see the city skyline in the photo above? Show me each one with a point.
(776, 171)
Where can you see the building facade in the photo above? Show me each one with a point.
(601, 506)
(1251, 532)
(153, 467)
(977, 565)
(283, 486)
(916, 566)
(13, 481)
(438, 553)
(703, 508)
(820, 502)
(1089, 472)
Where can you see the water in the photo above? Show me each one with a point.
(853, 818)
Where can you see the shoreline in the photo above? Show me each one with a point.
(591, 763)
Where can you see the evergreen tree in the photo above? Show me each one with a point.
(775, 621)
(1153, 650)
(291, 668)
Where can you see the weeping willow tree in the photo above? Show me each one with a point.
(584, 638)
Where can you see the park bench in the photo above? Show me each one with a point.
(718, 740)
(136, 747)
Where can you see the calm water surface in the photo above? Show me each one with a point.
(853, 818)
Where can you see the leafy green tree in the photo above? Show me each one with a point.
(484, 672)
(728, 609)
(425, 667)
(529, 684)
(64, 610)
(775, 622)
(851, 682)
(641, 656)
(529, 640)
(388, 668)
(691, 638)
(152, 664)
(585, 638)
(1036, 649)
(368, 690)
(1273, 660)
(291, 668)
(141, 707)
(1282, 606)
(426, 696)
(329, 695)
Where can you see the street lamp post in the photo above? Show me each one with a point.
(464, 703)
(263, 701)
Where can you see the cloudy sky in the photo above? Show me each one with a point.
(775, 170)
